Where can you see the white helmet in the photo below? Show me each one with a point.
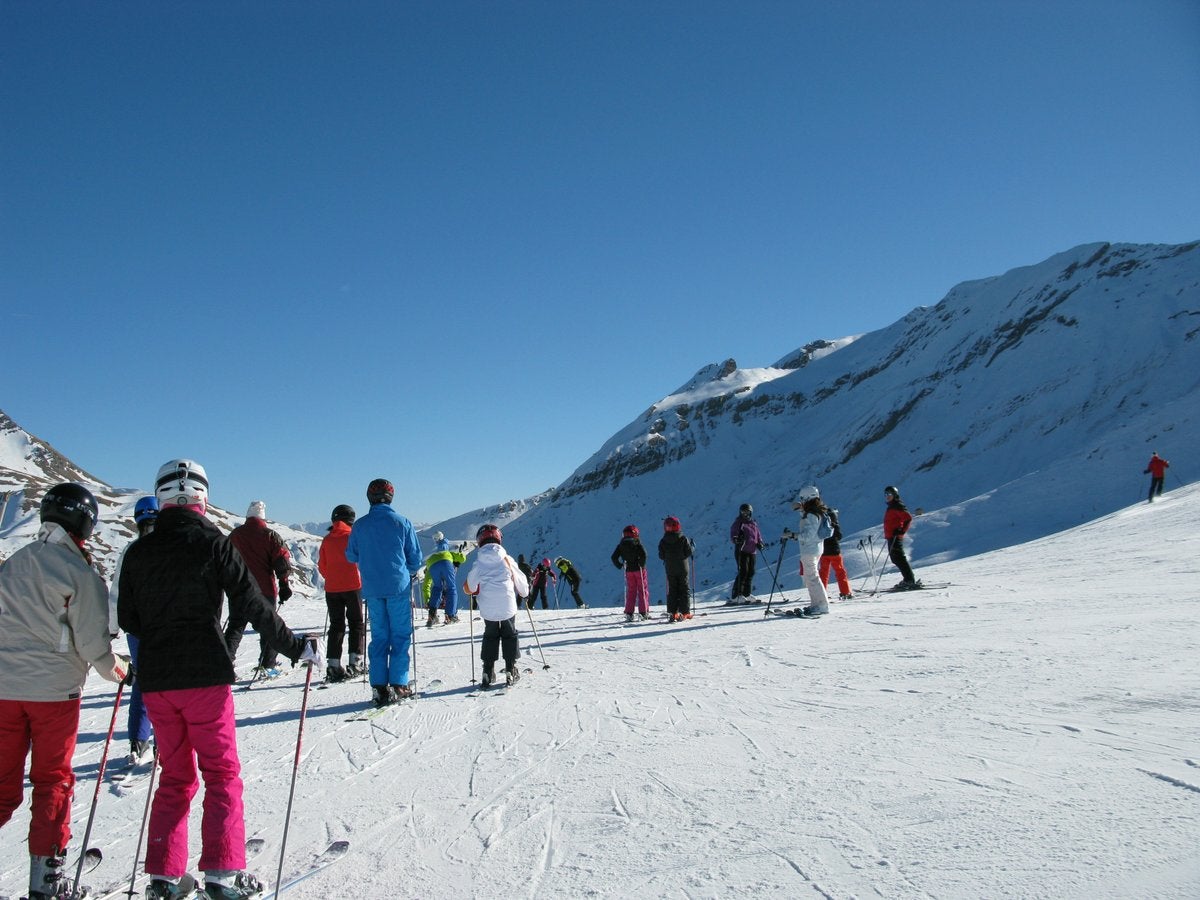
(181, 482)
(437, 536)
(806, 493)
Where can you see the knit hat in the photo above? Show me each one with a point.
(256, 510)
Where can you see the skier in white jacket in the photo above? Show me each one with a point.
(809, 539)
(495, 582)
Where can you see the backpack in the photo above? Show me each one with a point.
(825, 528)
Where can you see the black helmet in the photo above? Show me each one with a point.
(746, 509)
(342, 513)
(73, 507)
(380, 491)
(892, 491)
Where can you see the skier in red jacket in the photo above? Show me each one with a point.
(895, 523)
(1157, 470)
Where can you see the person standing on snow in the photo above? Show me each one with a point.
(675, 550)
(384, 544)
(809, 535)
(439, 587)
(831, 558)
(267, 558)
(343, 597)
(497, 586)
(630, 555)
(747, 541)
(895, 524)
(145, 512)
(1157, 470)
(173, 584)
(543, 575)
(573, 579)
(55, 613)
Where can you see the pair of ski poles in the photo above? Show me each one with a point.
(873, 557)
(533, 628)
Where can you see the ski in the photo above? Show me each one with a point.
(327, 858)
(796, 613)
(919, 586)
(190, 887)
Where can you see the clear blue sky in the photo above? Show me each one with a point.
(459, 244)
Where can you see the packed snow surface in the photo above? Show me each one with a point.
(1032, 730)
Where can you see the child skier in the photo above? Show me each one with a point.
(630, 555)
(573, 579)
(543, 576)
(496, 584)
(675, 551)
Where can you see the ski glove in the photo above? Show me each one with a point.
(285, 592)
(311, 655)
(789, 535)
(123, 670)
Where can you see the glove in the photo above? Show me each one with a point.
(123, 670)
(285, 592)
(760, 545)
(311, 654)
(617, 565)
(789, 535)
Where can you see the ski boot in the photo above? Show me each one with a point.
(161, 889)
(628, 617)
(845, 596)
(488, 676)
(381, 696)
(232, 886)
(511, 676)
(140, 752)
(355, 667)
(432, 620)
(400, 692)
(334, 673)
(47, 880)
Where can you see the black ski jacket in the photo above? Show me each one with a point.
(630, 555)
(170, 598)
(675, 550)
(833, 546)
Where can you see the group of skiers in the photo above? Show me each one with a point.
(818, 536)
(172, 586)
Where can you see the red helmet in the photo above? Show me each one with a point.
(488, 534)
(670, 523)
(546, 562)
(630, 531)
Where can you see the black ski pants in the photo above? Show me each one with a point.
(896, 555)
(235, 628)
(344, 606)
(743, 584)
(678, 592)
(500, 637)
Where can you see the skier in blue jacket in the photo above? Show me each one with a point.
(384, 545)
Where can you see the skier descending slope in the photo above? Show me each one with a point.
(495, 582)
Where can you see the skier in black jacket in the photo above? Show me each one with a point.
(675, 551)
(170, 597)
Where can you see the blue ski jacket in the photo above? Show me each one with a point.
(384, 544)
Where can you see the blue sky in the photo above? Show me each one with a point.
(460, 244)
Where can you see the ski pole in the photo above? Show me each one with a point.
(775, 577)
(413, 635)
(882, 568)
(87, 832)
(145, 818)
(545, 665)
(287, 819)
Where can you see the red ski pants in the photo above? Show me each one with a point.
(48, 728)
(195, 727)
(835, 563)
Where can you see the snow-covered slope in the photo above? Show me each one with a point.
(1030, 731)
(1017, 406)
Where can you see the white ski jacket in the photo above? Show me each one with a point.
(53, 620)
(496, 582)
